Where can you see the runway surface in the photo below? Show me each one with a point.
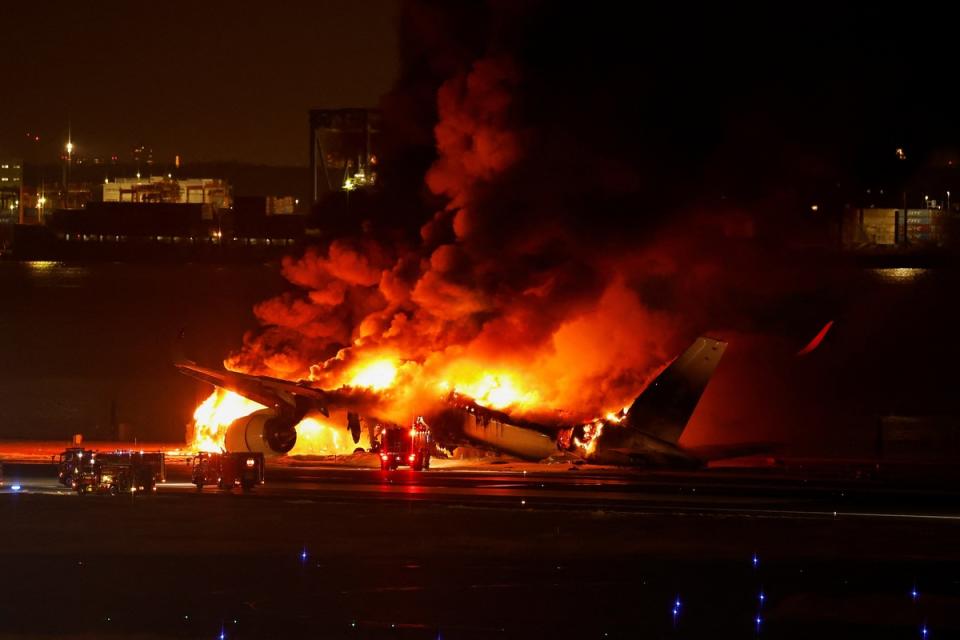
(743, 492)
(321, 551)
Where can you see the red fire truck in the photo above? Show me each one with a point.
(227, 470)
(117, 472)
(406, 447)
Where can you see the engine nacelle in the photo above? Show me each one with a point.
(261, 432)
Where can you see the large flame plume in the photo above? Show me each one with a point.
(515, 316)
(215, 414)
(316, 434)
(544, 287)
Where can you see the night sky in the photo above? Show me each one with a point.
(206, 80)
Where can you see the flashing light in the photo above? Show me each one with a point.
(69, 147)
(250, 462)
(411, 457)
(383, 456)
(413, 432)
(15, 487)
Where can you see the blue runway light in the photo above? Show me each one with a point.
(914, 593)
(303, 555)
(762, 597)
(923, 632)
(756, 561)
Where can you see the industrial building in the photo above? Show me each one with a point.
(11, 191)
(211, 193)
(869, 227)
(344, 146)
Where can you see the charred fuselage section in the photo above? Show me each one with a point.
(645, 435)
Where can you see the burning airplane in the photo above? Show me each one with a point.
(264, 414)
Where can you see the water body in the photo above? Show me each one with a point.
(75, 339)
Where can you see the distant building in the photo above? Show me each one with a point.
(344, 146)
(11, 190)
(895, 227)
(143, 156)
(212, 193)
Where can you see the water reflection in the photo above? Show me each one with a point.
(900, 274)
(42, 265)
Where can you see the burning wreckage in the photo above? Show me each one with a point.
(249, 413)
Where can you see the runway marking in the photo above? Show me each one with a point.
(823, 514)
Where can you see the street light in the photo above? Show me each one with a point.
(66, 171)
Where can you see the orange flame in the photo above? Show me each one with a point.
(317, 437)
(215, 414)
(377, 375)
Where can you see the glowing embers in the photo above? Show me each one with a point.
(589, 434)
(215, 414)
(587, 443)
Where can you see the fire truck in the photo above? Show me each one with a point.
(117, 472)
(406, 447)
(68, 462)
(227, 470)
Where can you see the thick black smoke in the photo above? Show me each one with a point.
(574, 194)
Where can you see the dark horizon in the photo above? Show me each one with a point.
(211, 82)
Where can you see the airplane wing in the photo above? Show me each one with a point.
(270, 392)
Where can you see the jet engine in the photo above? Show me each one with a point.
(261, 432)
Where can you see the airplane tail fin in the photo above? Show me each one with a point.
(664, 407)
